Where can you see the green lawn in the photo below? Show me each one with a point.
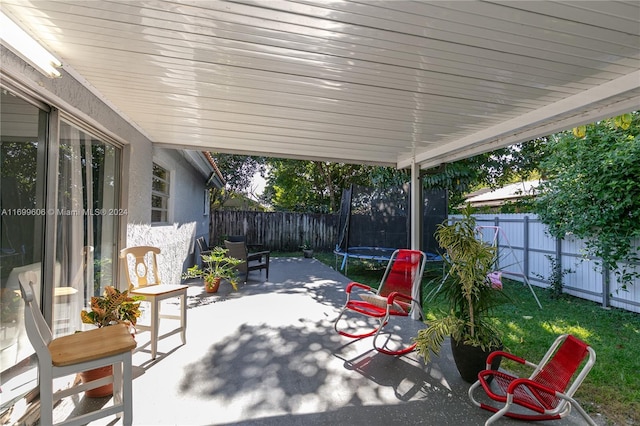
(613, 385)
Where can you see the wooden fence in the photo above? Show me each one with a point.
(525, 248)
(281, 231)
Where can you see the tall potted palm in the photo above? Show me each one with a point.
(470, 298)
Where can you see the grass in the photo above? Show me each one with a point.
(612, 388)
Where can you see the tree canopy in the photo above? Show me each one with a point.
(517, 162)
(311, 186)
(238, 172)
(592, 189)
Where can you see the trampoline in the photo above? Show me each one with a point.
(376, 254)
(374, 222)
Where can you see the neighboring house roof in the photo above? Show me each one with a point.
(242, 202)
(215, 179)
(498, 197)
(206, 165)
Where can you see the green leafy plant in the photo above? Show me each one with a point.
(113, 307)
(466, 291)
(218, 266)
(556, 277)
(592, 192)
(306, 245)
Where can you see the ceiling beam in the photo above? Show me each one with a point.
(567, 113)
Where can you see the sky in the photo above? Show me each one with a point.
(257, 185)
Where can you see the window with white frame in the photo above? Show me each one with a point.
(160, 194)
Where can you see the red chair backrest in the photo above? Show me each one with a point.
(558, 372)
(403, 272)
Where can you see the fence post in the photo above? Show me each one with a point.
(559, 258)
(525, 247)
(606, 283)
(496, 223)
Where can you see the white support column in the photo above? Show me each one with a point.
(416, 229)
(416, 210)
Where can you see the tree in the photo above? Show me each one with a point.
(592, 190)
(238, 172)
(311, 186)
(517, 162)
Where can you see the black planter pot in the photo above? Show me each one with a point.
(470, 360)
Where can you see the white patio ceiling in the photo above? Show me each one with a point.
(350, 81)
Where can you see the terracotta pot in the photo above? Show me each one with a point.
(212, 285)
(98, 373)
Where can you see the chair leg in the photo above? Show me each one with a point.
(46, 397)
(155, 325)
(183, 317)
(504, 410)
(583, 413)
(472, 388)
(127, 390)
(351, 335)
(381, 348)
(117, 385)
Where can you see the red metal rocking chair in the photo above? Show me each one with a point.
(548, 393)
(397, 295)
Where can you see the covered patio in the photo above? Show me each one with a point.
(412, 85)
(267, 354)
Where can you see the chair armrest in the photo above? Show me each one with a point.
(395, 295)
(531, 384)
(258, 255)
(507, 355)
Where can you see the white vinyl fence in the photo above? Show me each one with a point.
(524, 245)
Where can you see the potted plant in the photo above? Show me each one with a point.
(470, 297)
(307, 251)
(113, 307)
(219, 266)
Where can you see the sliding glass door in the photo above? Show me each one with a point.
(23, 153)
(87, 223)
(60, 208)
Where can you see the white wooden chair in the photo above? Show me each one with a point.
(76, 353)
(145, 281)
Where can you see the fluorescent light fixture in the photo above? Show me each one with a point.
(24, 45)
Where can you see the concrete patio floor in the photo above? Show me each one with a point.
(268, 355)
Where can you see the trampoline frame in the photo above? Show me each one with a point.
(376, 254)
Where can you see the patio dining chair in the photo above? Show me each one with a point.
(76, 353)
(548, 393)
(397, 295)
(144, 279)
(252, 261)
(203, 247)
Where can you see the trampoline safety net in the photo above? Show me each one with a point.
(379, 218)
